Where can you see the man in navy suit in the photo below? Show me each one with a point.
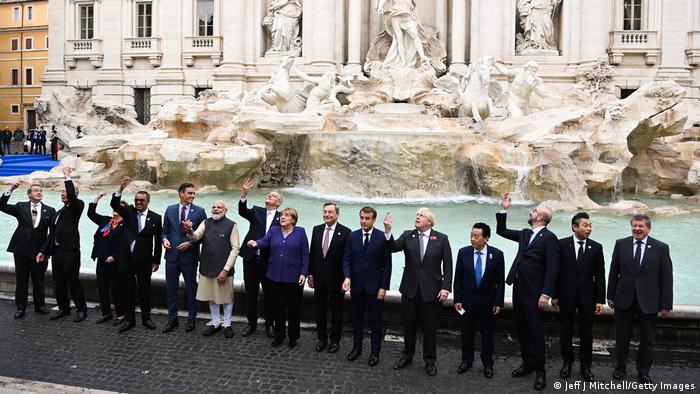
(254, 260)
(33, 222)
(425, 284)
(533, 276)
(640, 285)
(181, 254)
(478, 294)
(326, 275)
(367, 271)
(580, 293)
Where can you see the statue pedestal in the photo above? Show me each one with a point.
(398, 108)
(537, 52)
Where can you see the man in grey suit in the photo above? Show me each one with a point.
(425, 284)
(640, 285)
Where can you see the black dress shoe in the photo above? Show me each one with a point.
(292, 343)
(373, 360)
(644, 378)
(126, 326)
(79, 316)
(587, 375)
(431, 369)
(103, 319)
(320, 346)
(522, 370)
(118, 321)
(19, 315)
(354, 354)
(334, 347)
(618, 374)
(565, 371)
(488, 372)
(211, 330)
(540, 382)
(276, 342)
(191, 325)
(170, 325)
(403, 363)
(270, 331)
(59, 314)
(464, 367)
(249, 329)
(228, 332)
(149, 324)
(43, 310)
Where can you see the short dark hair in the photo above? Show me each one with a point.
(485, 229)
(369, 210)
(184, 187)
(145, 193)
(337, 209)
(32, 186)
(577, 218)
(640, 217)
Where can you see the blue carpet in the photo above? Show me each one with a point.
(26, 164)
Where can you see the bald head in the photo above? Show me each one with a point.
(540, 216)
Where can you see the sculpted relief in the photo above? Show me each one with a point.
(283, 23)
(536, 19)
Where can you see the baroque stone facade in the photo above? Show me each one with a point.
(144, 53)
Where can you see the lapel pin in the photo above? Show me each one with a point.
(413, 235)
(589, 246)
(648, 246)
(490, 256)
(338, 232)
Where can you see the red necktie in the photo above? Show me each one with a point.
(182, 218)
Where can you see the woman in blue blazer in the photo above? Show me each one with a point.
(287, 269)
(106, 251)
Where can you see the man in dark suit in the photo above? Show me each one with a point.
(139, 254)
(63, 244)
(33, 220)
(181, 255)
(367, 271)
(533, 276)
(254, 260)
(425, 284)
(326, 275)
(640, 286)
(580, 293)
(478, 294)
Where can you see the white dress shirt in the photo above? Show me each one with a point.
(483, 259)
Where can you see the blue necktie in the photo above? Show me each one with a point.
(478, 273)
(138, 222)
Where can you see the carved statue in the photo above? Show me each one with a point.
(279, 90)
(477, 92)
(282, 20)
(536, 22)
(525, 81)
(405, 42)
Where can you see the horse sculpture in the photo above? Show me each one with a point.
(477, 92)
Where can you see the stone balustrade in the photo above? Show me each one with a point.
(142, 47)
(645, 42)
(90, 49)
(198, 46)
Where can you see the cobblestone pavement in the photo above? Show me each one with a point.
(143, 361)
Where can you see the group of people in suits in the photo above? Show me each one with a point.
(568, 273)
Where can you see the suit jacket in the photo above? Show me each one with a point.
(104, 246)
(172, 232)
(148, 247)
(652, 282)
(327, 271)
(289, 257)
(64, 223)
(585, 279)
(536, 265)
(368, 271)
(256, 216)
(491, 290)
(433, 273)
(27, 240)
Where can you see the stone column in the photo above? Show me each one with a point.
(673, 35)
(55, 74)
(324, 15)
(354, 66)
(441, 19)
(229, 76)
(459, 36)
(376, 20)
(110, 79)
(170, 79)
